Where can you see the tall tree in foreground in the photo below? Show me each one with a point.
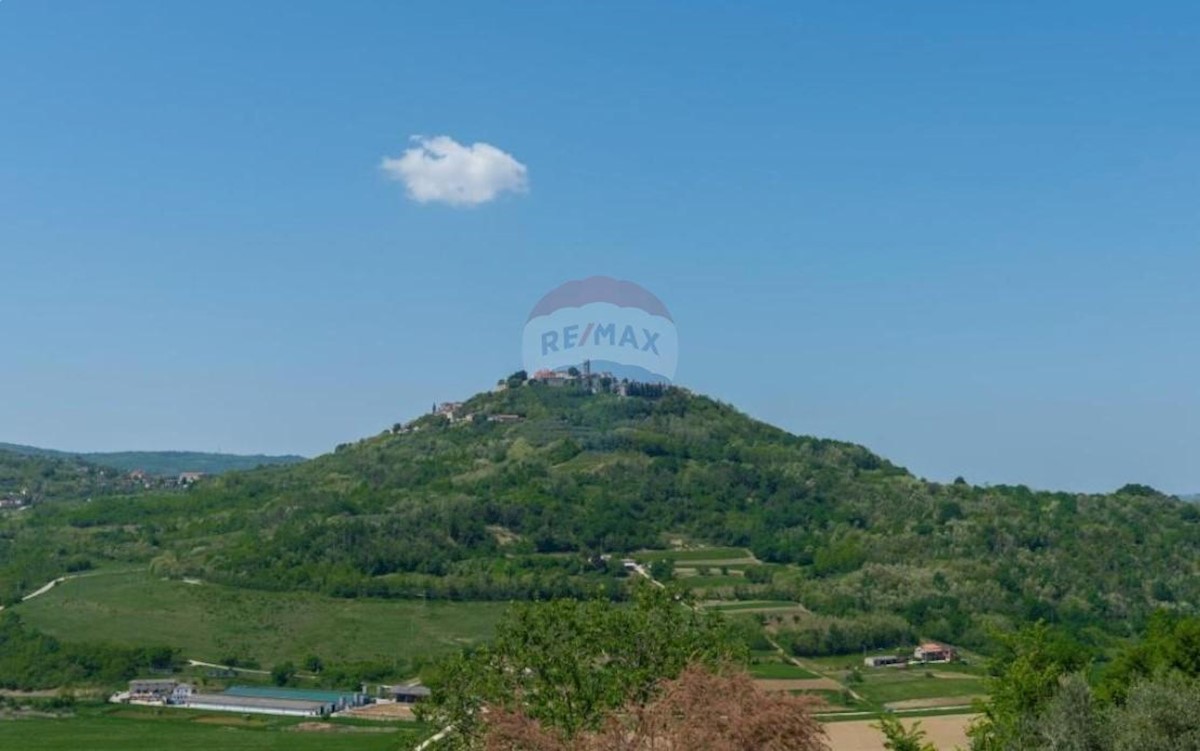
(1024, 677)
(568, 664)
(897, 737)
(701, 709)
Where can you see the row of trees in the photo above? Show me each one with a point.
(32, 660)
(816, 636)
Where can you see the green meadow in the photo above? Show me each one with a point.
(212, 623)
(135, 729)
(708, 555)
(888, 685)
(778, 670)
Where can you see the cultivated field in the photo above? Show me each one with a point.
(210, 622)
(945, 733)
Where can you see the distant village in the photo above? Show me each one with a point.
(137, 479)
(604, 382)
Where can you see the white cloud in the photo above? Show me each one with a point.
(443, 170)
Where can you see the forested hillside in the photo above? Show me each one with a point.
(163, 463)
(34, 478)
(470, 509)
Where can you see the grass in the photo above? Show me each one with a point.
(780, 670)
(132, 729)
(211, 622)
(899, 685)
(734, 606)
(707, 582)
(695, 554)
(837, 700)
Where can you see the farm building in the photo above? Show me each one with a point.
(408, 694)
(880, 661)
(154, 690)
(934, 652)
(338, 699)
(260, 705)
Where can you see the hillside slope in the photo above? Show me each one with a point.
(477, 508)
(162, 463)
(31, 479)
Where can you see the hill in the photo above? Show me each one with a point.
(32, 479)
(161, 463)
(519, 491)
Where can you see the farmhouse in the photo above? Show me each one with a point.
(880, 661)
(934, 652)
(187, 478)
(158, 691)
(152, 690)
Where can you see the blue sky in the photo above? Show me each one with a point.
(967, 237)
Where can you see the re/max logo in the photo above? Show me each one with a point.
(599, 334)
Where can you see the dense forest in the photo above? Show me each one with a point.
(470, 506)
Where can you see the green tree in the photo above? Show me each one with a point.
(1024, 677)
(314, 664)
(282, 674)
(1073, 720)
(567, 663)
(1159, 715)
(663, 569)
(899, 738)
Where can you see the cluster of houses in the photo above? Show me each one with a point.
(596, 382)
(270, 700)
(926, 652)
(13, 502)
(189, 478)
(454, 413)
(147, 480)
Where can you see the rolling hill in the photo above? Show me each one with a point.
(520, 493)
(161, 463)
(31, 479)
